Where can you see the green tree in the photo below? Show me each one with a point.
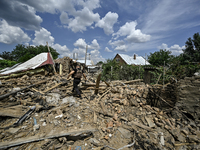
(6, 63)
(157, 58)
(22, 53)
(100, 63)
(192, 50)
(6, 55)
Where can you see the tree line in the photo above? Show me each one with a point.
(185, 64)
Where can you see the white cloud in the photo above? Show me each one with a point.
(107, 22)
(64, 18)
(83, 18)
(94, 45)
(62, 50)
(133, 35)
(163, 46)
(137, 36)
(116, 43)
(90, 4)
(42, 36)
(175, 49)
(108, 50)
(52, 6)
(121, 48)
(96, 56)
(11, 34)
(80, 43)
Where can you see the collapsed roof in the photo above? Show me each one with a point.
(33, 63)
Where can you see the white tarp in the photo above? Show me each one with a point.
(30, 64)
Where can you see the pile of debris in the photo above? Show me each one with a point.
(66, 62)
(41, 112)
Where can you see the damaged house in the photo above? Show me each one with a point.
(39, 111)
(131, 60)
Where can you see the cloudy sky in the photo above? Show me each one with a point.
(108, 27)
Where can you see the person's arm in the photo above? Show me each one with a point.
(84, 76)
(71, 73)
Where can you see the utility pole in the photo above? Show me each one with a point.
(86, 54)
(163, 74)
(145, 58)
(51, 58)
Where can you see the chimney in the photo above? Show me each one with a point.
(134, 56)
(75, 56)
(89, 56)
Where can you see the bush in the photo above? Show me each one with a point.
(112, 70)
(6, 63)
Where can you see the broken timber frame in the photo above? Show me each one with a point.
(14, 92)
(51, 135)
(97, 84)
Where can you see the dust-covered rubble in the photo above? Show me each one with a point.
(120, 116)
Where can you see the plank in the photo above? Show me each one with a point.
(39, 137)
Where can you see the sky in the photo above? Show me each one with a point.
(108, 27)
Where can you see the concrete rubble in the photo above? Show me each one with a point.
(120, 116)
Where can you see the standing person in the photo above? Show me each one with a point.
(77, 74)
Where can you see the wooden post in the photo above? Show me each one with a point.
(97, 84)
(52, 59)
(60, 71)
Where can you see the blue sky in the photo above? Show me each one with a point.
(108, 27)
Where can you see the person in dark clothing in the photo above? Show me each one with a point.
(77, 73)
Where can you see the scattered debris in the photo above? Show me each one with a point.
(121, 114)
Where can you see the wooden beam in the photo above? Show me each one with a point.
(39, 137)
(52, 87)
(97, 84)
(14, 92)
(37, 91)
(133, 81)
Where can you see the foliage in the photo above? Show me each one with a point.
(112, 70)
(100, 63)
(6, 63)
(6, 55)
(192, 50)
(157, 58)
(22, 53)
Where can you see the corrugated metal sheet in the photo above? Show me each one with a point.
(37, 61)
(130, 61)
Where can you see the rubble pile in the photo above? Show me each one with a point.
(66, 62)
(48, 115)
(189, 96)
